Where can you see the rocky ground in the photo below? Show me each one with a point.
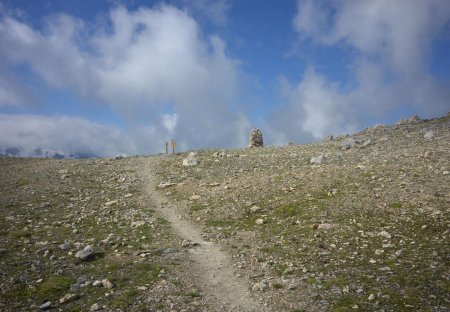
(353, 223)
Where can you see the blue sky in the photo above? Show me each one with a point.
(122, 77)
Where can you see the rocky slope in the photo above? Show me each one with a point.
(355, 222)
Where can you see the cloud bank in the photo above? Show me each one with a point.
(63, 133)
(390, 43)
(155, 67)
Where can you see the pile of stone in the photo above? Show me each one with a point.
(256, 139)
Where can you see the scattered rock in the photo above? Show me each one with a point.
(163, 185)
(190, 160)
(97, 283)
(194, 197)
(111, 202)
(318, 160)
(107, 284)
(348, 143)
(95, 307)
(325, 226)
(261, 286)
(85, 254)
(166, 251)
(371, 297)
(259, 221)
(137, 223)
(429, 136)
(45, 306)
(188, 243)
(292, 287)
(256, 138)
(411, 120)
(65, 246)
(384, 234)
(68, 298)
(255, 209)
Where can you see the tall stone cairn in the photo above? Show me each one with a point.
(256, 139)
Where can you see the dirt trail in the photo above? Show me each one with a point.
(209, 265)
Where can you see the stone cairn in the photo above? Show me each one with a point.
(256, 139)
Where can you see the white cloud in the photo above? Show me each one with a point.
(143, 64)
(214, 10)
(392, 41)
(68, 134)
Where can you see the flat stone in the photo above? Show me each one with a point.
(45, 306)
(85, 254)
(68, 298)
(107, 284)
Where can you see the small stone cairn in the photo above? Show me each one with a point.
(256, 139)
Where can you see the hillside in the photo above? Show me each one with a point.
(353, 223)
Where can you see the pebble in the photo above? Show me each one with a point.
(95, 307)
(188, 243)
(261, 286)
(318, 160)
(259, 221)
(255, 208)
(65, 246)
(45, 306)
(111, 202)
(68, 298)
(429, 136)
(97, 283)
(194, 197)
(371, 297)
(325, 226)
(384, 234)
(107, 284)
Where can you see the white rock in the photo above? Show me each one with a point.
(318, 160)
(107, 284)
(137, 223)
(259, 221)
(255, 208)
(429, 136)
(68, 298)
(325, 226)
(163, 185)
(384, 234)
(194, 197)
(111, 202)
(97, 283)
(190, 160)
(371, 297)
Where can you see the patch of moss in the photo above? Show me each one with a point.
(53, 288)
(395, 205)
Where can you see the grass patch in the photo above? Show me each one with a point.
(22, 182)
(395, 205)
(125, 299)
(19, 234)
(53, 288)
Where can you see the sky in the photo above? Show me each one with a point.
(111, 78)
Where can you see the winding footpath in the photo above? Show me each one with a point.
(210, 266)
